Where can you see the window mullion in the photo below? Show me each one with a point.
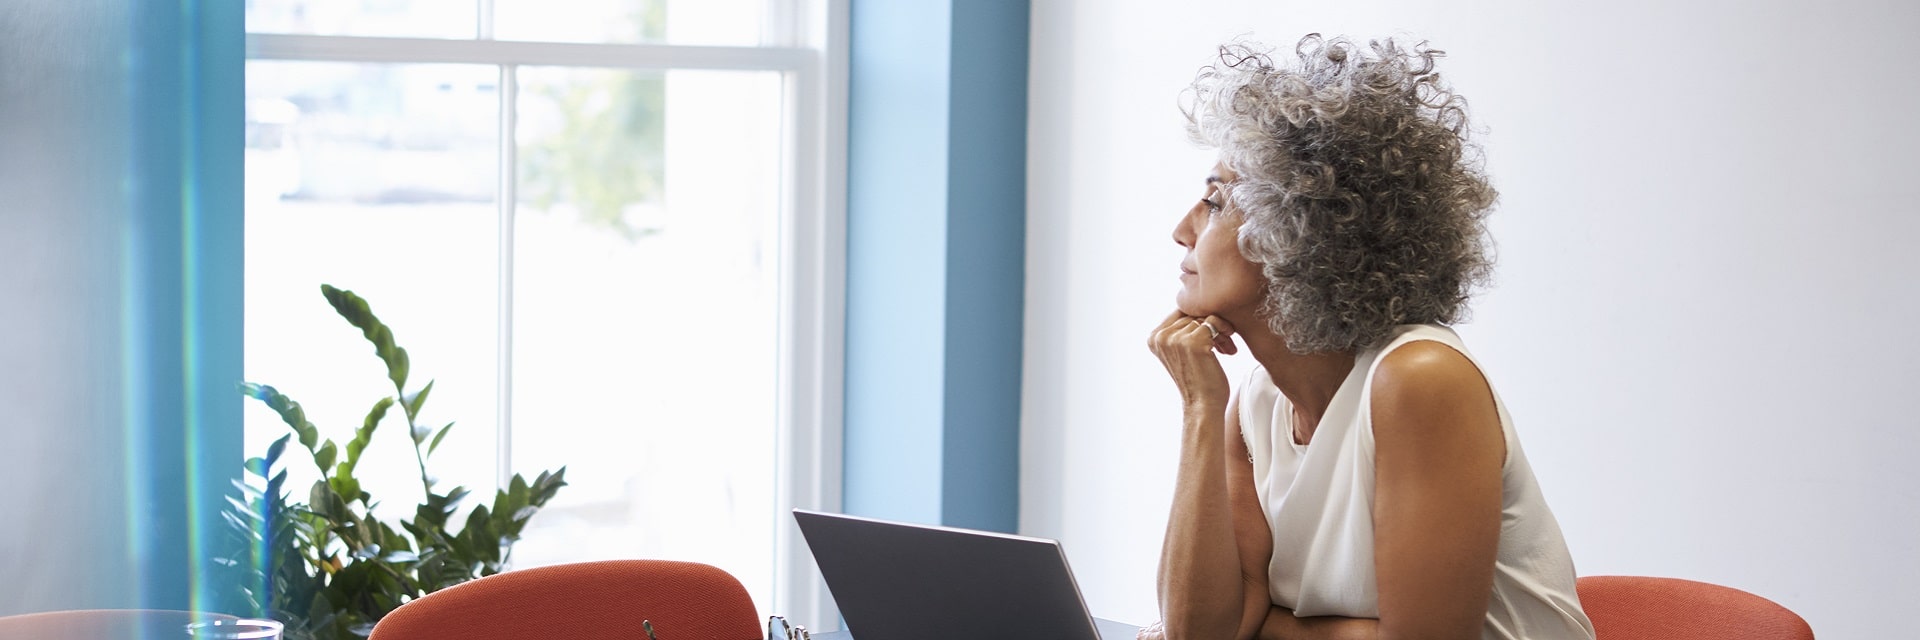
(507, 195)
(483, 30)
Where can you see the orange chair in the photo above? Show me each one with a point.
(1643, 608)
(608, 599)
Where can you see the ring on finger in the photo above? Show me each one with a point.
(1212, 333)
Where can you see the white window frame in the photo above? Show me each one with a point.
(811, 55)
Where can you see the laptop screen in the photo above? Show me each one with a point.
(898, 581)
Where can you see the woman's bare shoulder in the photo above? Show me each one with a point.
(1426, 382)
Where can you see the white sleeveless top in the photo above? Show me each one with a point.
(1318, 499)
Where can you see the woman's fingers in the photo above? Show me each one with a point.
(1211, 333)
(1179, 339)
(1185, 346)
(1220, 324)
(1161, 333)
(1171, 327)
(1189, 333)
(1223, 335)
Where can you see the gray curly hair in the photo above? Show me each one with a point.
(1362, 198)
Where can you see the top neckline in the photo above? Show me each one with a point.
(1338, 393)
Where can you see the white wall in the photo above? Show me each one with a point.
(1705, 283)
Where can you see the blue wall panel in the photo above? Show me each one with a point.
(936, 256)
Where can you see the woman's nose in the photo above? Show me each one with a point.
(1183, 232)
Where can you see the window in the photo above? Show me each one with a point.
(608, 230)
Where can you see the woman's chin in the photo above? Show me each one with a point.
(1187, 307)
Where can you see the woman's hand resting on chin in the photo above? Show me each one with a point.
(1186, 346)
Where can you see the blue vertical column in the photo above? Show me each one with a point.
(986, 268)
(936, 241)
(184, 237)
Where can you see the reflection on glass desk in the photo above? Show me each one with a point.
(134, 624)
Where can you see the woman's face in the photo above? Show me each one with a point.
(1215, 279)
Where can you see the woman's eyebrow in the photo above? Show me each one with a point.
(1213, 180)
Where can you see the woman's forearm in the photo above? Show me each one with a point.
(1281, 624)
(1200, 579)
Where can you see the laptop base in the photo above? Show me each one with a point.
(1109, 630)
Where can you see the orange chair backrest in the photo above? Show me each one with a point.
(1645, 608)
(608, 599)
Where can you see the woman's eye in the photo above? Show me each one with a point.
(1213, 207)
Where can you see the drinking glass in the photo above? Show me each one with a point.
(243, 629)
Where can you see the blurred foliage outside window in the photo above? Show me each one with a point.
(608, 157)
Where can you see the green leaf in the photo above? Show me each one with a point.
(397, 369)
(256, 467)
(318, 499)
(438, 437)
(364, 434)
(476, 519)
(237, 525)
(455, 496)
(546, 486)
(274, 450)
(360, 315)
(417, 398)
(241, 486)
(394, 539)
(341, 516)
(288, 410)
(238, 506)
(345, 486)
(418, 533)
(324, 457)
(420, 433)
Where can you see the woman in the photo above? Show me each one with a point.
(1365, 481)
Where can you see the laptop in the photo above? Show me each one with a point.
(900, 581)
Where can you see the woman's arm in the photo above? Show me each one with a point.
(1281, 624)
(1213, 562)
(1438, 454)
(1252, 537)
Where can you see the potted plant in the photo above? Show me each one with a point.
(325, 566)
